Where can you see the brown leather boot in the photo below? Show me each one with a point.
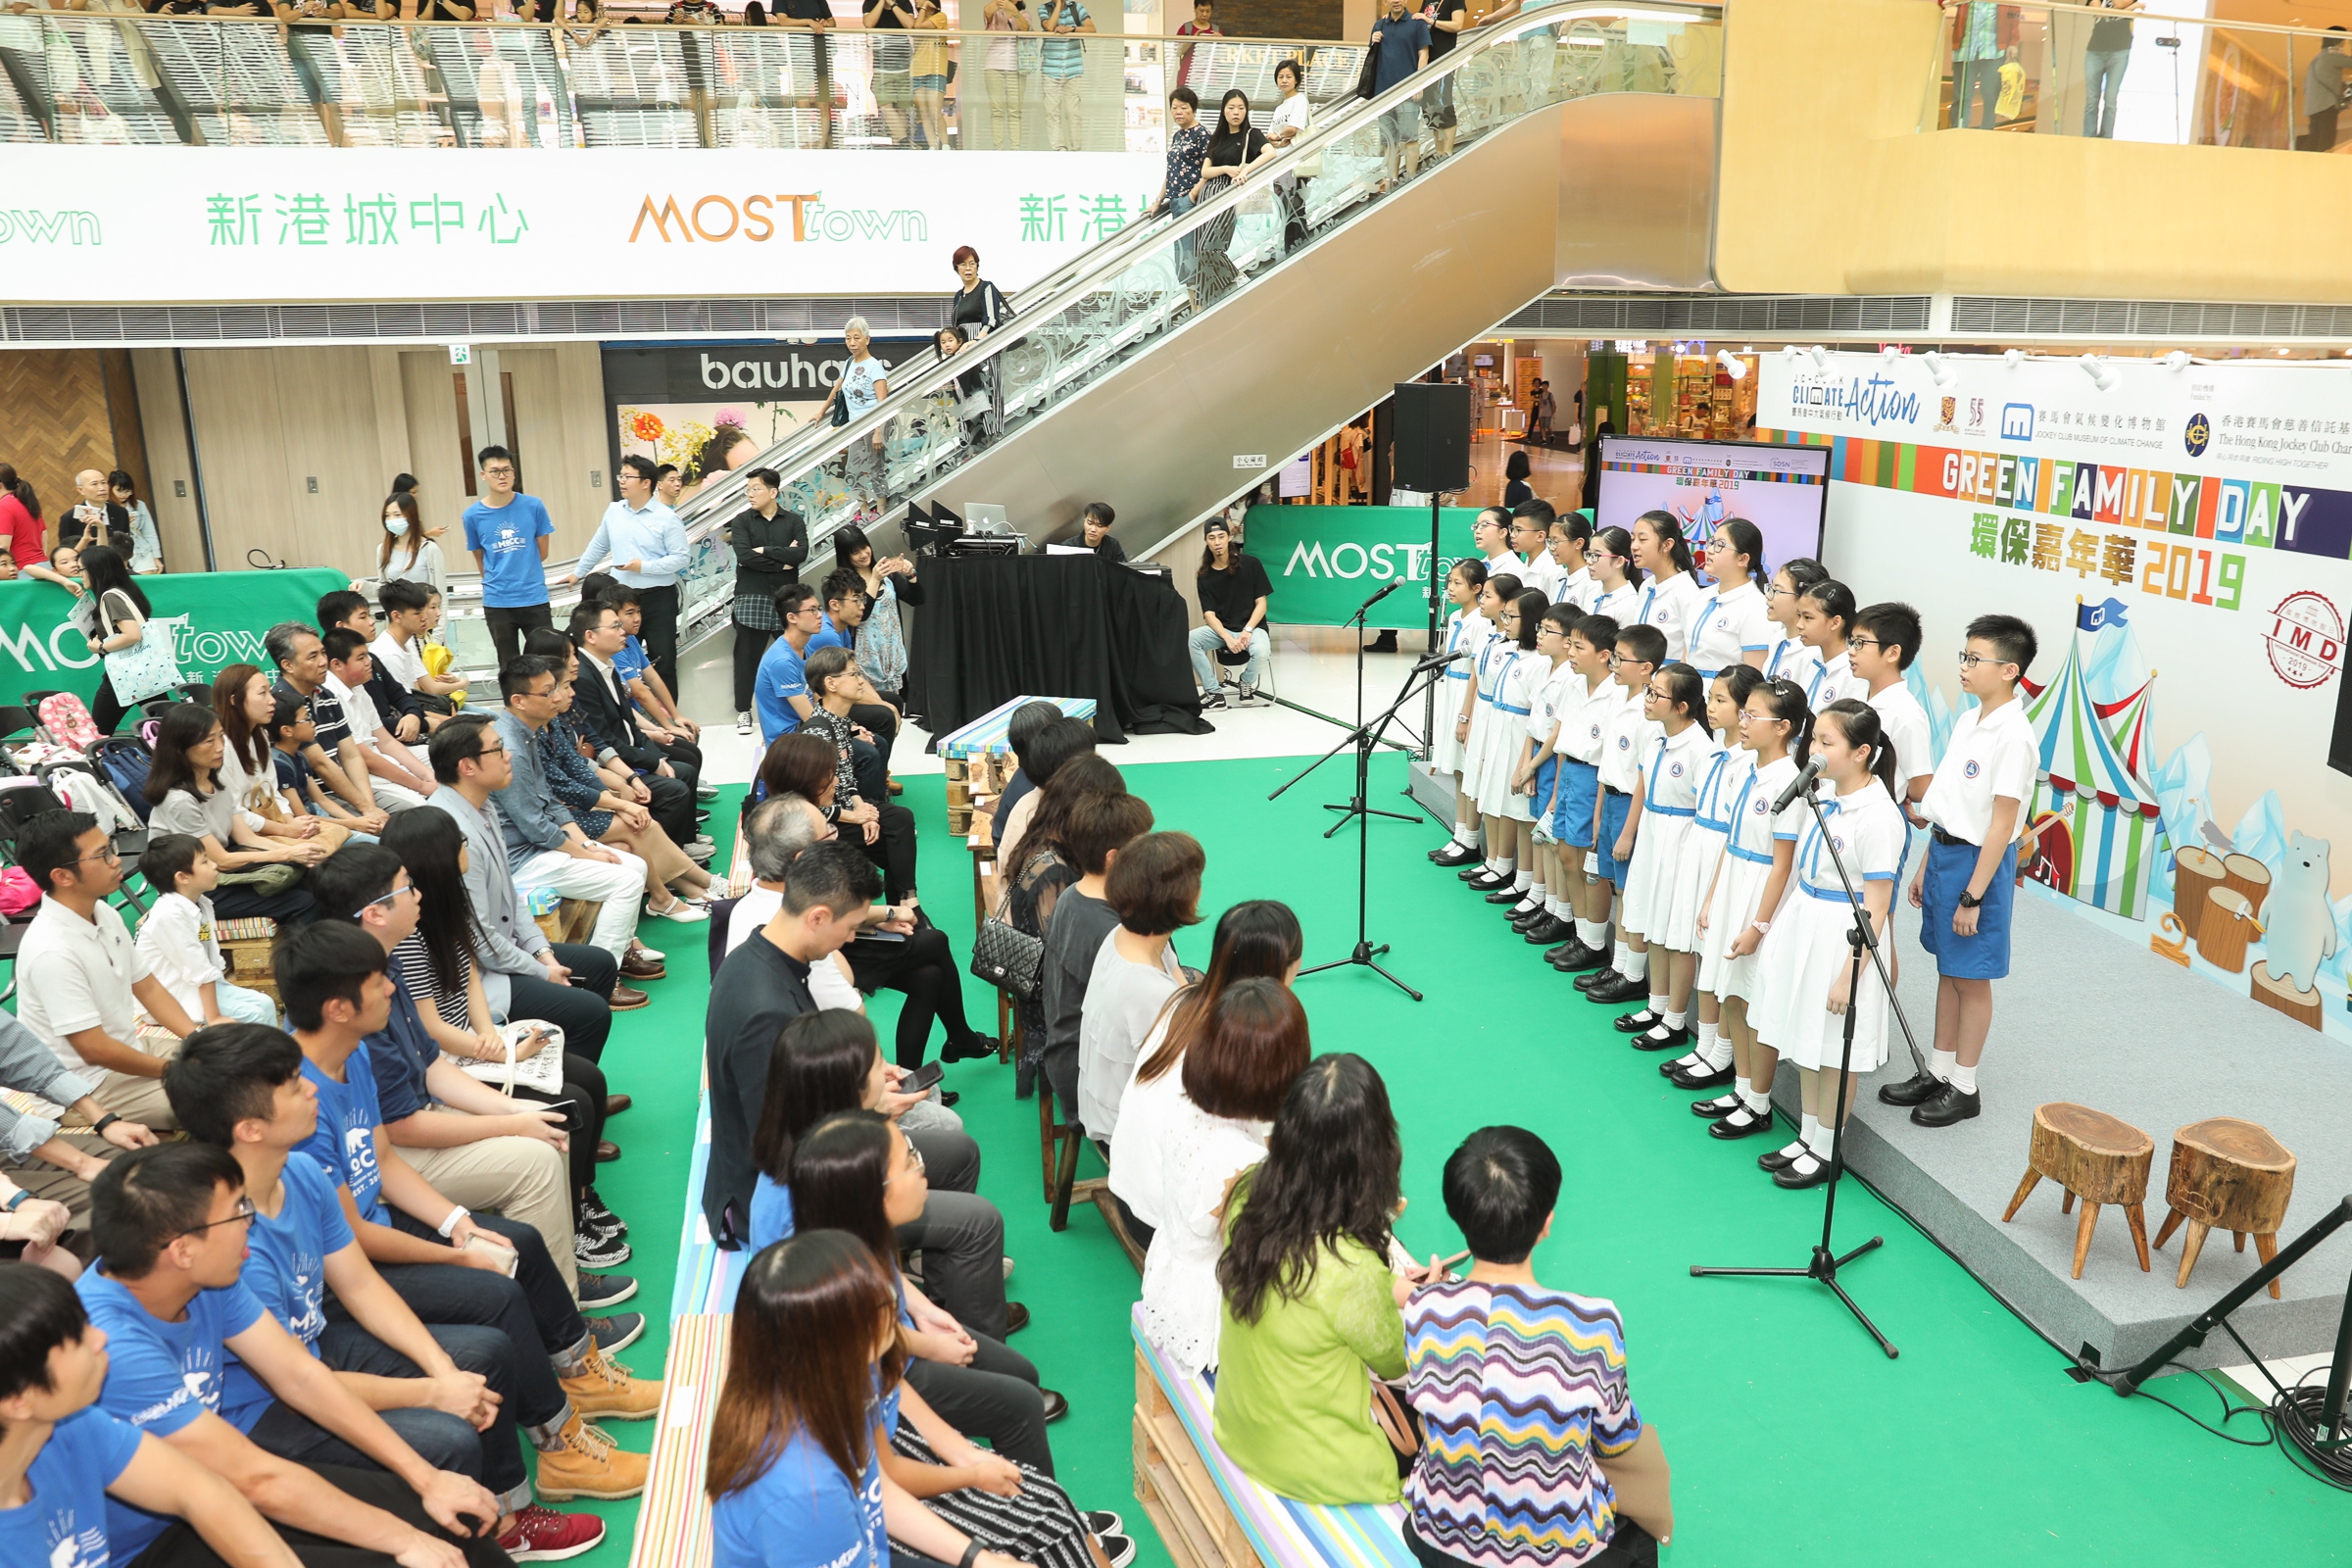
(603, 1390)
(590, 1465)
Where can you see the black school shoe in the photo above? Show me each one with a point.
(1791, 1179)
(1775, 1161)
(1490, 881)
(1741, 1123)
(1574, 958)
(1633, 1023)
(1722, 1107)
(1600, 975)
(1951, 1104)
(1700, 1077)
(1506, 892)
(1549, 929)
(1617, 991)
(1916, 1090)
(1474, 868)
(1662, 1038)
(1456, 853)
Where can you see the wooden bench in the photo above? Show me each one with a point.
(245, 953)
(985, 738)
(1210, 1515)
(674, 1518)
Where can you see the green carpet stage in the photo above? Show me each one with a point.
(1792, 1438)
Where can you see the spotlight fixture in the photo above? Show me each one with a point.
(1733, 365)
(2177, 360)
(2100, 375)
(1820, 357)
(1942, 370)
(2014, 358)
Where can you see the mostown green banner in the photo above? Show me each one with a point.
(225, 613)
(1325, 560)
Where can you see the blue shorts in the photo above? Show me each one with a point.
(1614, 810)
(1572, 818)
(1985, 956)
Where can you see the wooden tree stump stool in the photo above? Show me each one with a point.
(2228, 1175)
(2096, 1157)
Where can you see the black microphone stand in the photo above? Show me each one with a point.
(1359, 806)
(1365, 739)
(1825, 1263)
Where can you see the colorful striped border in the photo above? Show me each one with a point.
(1282, 1530)
(988, 732)
(674, 1518)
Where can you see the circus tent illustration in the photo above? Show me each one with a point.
(2099, 820)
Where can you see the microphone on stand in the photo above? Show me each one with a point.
(1435, 661)
(1798, 785)
(1383, 594)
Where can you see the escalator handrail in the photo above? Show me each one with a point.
(819, 442)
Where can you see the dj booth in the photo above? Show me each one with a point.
(995, 624)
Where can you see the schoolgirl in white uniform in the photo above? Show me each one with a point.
(1729, 764)
(1503, 800)
(1747, 899)
(1618, 591)
(1543, 914)
(1491, 533)
(1806, 959)
(1530, 520)
(1568, 538)
(1730, 626)
(1659, 827)
(1574, 790)
(1783, 601)
(1466, 631)
(1496, 869)
(1825, 619)
(1671, 599)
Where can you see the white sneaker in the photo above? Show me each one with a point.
(743, 723)
(680, 910)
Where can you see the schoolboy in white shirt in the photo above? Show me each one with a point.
(1530, 523)
(1625, 740)
(1967, 881)
(1885, 638)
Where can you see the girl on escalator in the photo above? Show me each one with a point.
(1236, 147)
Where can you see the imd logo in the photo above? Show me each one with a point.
(2196, 433)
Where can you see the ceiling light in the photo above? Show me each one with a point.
(2177, 360)
(2014, 357)
(1942, 370)
(1733, 365)
(2100, 375)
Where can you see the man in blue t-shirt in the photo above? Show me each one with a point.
(243, 1089)
(171, 1224)
(1402, 41)
(64, 1458)
(781, 690)
(509, 533)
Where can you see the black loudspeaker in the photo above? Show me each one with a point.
(1433, 436)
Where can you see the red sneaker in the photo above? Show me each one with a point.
(542, 1534)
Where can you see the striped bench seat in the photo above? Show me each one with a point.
(1210, 1515)
(673, 1519)
(991, 734)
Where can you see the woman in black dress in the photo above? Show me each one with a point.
(1234, 149)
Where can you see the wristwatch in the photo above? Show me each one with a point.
(104, 1122)
(1970, 901)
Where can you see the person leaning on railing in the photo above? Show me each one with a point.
(1065, 71)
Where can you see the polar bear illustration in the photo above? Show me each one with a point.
(2298, 925)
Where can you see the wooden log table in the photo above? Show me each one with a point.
(2096, 1157)
(2230, 1175)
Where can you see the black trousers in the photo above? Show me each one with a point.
(660, 607)
(882, 721)
(751, 645)
(107, 709)
(924, 970)
(672, 804)
(892, 850)
(181, 1547)
(509, 626)
(582, 1010)
(290, 907)
(583, 1119)
(996, 1397)
(961, 1237)
(450, 1295)
(2321, 138)
(1629, 1548)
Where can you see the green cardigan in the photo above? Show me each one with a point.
(1293, 1404)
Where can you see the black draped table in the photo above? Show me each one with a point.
(995, 627)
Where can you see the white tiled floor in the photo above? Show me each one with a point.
(1313, 667)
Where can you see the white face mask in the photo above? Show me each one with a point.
(396, 526)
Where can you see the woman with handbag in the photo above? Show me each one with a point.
(1294, 119)
(259, 876)
(864, 383)
(511, 1062)
(1236, 148)
(1037, 872)
(114, 613)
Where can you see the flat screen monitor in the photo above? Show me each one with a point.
(1781, 490)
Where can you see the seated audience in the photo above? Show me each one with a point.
(1059, 741)
(1240, 1053)
(795, 1473)
(293, 739)
(453, 1266)
(176, 936)
(855, 1172)
(1097, 828)
(848, 605)
(1021, 731)
(468, 1140)
(780, 690)
(332, 752)
(604, 710)
(245, 706)
(1037, 869)
(76, 1466)
(257, 876)
(397, 778)
(524, 976)
(449, 1389)
(437, 962)
(395, 703)
(861, 797)
(81, 982)
(546, 847)
(1154, 888)
(172, 1224)
(1310, 1305)
(53, 1169)
(1578, 1475)
(911, 958)
(411, 610)
(763, 985)
(658, 713)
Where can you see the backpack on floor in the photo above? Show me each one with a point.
(124, 762)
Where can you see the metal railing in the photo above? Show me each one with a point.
(102, 79)
(2130, 76)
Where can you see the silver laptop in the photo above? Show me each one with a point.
(983, 517)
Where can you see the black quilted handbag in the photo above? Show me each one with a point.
(1008, 958)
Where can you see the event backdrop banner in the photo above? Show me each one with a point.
(273, 223)
(1325, 560)
(225, 613)
(1777, 488)
(2181, 541)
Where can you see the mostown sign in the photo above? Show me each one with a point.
(305, 223)
(1325, 560)
(221, 617)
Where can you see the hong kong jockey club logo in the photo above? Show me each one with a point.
(2306, 639)
(2195, 435)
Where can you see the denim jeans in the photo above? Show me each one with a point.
(533, 1308)
(1204, 645)
(2103, 83)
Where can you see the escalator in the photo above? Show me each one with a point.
(1151, 370)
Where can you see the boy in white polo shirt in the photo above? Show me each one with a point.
(1885, 639)
(1625, 740)
(1967, 881)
